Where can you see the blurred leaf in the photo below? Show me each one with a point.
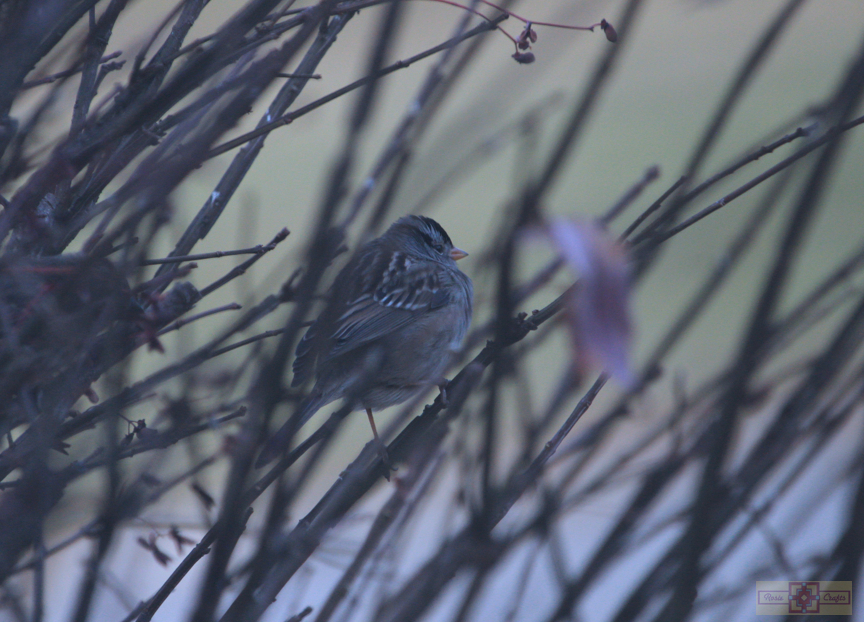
(599, 309)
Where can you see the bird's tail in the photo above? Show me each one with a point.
(280, 441)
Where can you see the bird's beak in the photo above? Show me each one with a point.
(457, 253)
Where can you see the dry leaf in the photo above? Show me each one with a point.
(598, 312)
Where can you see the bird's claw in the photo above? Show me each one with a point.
(385, 461)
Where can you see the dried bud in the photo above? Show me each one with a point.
(526, 37)
(175, 303)
(206, 499)
(179, 539)
(158, 554)
(524, 58)
(91, 395)
(606, 27)
(148, 435)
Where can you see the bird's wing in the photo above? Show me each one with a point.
(304, 357)
(383, 292)
(401, 290)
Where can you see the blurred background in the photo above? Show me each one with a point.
(490, 136)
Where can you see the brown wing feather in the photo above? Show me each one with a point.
(403, 289)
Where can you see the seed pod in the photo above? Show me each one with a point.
(606, 27)
(526, 37)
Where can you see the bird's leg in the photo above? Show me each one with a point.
(382, 449)
(372, 423)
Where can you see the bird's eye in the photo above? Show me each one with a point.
(438, 248)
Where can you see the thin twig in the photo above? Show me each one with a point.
(631, 195)
(65, 74)
(183, 321)
(265, 335)
(243, 267)
(255, 250)
(266, 128)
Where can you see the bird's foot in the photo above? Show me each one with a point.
(382, 448)
(386, 463)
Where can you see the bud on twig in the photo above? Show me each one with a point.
(611, 34)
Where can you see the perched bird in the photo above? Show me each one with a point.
(397, 313)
